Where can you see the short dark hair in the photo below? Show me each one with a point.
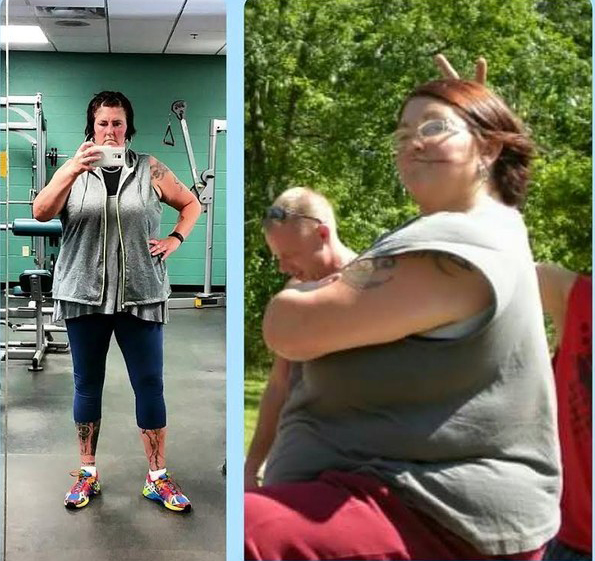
(489, 118)
(110, 99)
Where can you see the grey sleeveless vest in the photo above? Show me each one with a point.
(79, 275)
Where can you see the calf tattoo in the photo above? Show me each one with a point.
(153, 442)
(88, 434)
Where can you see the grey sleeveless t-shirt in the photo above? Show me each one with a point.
(463, 429)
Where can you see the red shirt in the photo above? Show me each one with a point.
(574, 373)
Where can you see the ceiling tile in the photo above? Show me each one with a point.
(16, 8)
(205, 44)
(148, 9)
(194, 7)
(47, 47)
(22, 20)
(95, 44)
(142, 36)
(205, 22)
(136, 26)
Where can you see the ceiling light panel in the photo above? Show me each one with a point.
(23, 34)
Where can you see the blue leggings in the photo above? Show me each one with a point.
(141, 343)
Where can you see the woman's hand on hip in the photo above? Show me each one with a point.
(165, 247)
(86, 154)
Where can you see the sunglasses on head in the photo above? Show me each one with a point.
(281, 214)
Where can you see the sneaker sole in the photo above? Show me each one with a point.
(148, 494)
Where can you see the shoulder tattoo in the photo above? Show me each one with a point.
(364, 274)
(158, 171)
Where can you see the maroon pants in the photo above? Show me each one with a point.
(347, 516)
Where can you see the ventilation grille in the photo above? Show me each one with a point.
(69, 13)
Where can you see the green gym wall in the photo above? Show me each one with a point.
(67, 81)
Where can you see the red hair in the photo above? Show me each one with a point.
(489, 119)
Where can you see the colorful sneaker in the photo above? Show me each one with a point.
(85, 487)
(168, 492)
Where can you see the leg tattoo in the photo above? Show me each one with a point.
(88, 434)
(154, 442)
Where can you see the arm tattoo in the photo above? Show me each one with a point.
(158, 171)
(369, 273)
(88, 434)
(372, 273)
(442, 261)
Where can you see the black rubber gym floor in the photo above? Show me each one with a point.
(120, 524)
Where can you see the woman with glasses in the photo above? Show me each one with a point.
(110, 278)
(423, 425)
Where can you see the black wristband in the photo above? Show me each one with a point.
(177, 235)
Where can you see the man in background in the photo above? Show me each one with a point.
(301, 231)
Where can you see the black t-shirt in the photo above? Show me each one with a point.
(111, 179)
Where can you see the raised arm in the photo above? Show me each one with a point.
(51, 199)
(374, 301)
(175, 194)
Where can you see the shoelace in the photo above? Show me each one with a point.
(169, 483)
(81, 481)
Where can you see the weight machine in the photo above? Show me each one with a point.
(204, 188)
(39, 155)
(35, 284)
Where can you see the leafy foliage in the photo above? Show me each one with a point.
(323, 81)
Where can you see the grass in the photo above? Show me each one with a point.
(254, 384)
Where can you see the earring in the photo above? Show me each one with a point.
(483, 172)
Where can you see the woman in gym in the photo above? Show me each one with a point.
(110, 277)
(423, 426)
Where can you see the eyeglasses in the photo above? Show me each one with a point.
(281, 214)
(431, 130)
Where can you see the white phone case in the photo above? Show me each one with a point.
(110, 156)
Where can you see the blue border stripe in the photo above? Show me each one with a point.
(235, 278)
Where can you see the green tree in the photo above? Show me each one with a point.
(323, 81)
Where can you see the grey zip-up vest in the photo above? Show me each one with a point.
(79, 275)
